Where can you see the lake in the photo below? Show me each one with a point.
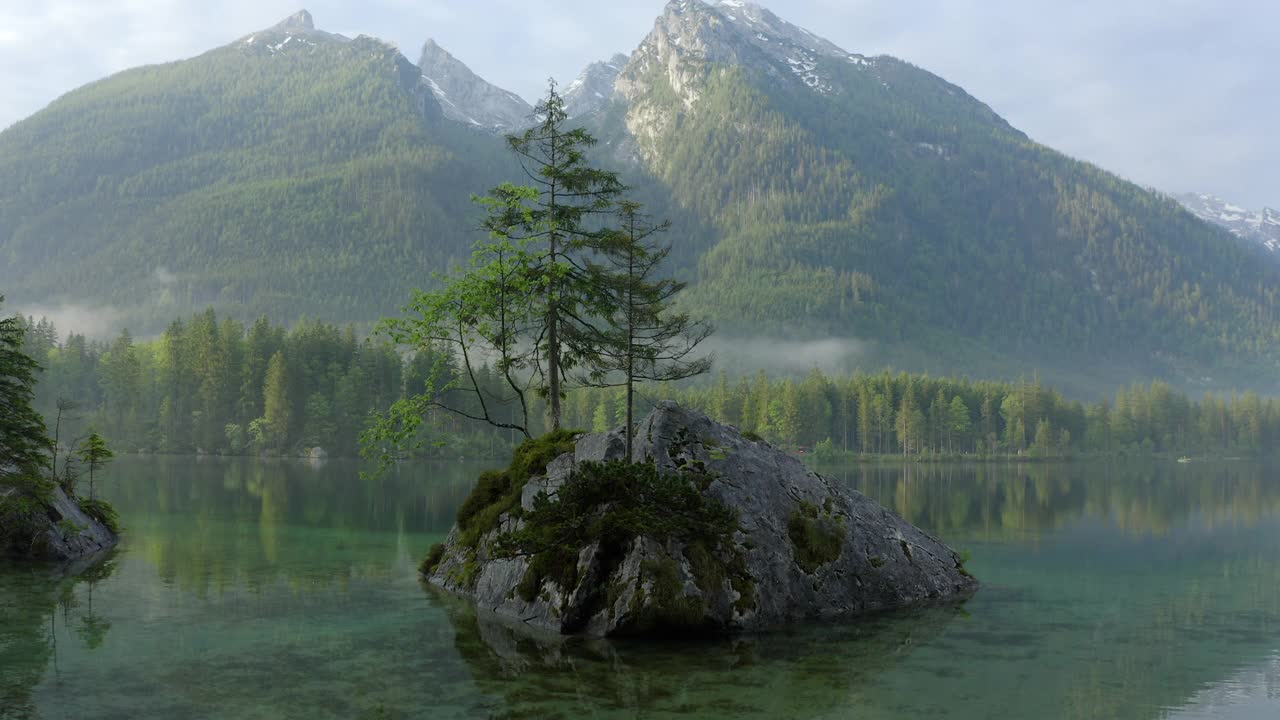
(287, 589)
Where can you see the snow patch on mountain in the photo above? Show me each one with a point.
(594, 88)
(690, 36)
(1260, 227)
(466, 97)
(294, 33)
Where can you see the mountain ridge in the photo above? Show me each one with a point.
(817, 193)
(467, 97)
(1261, 227)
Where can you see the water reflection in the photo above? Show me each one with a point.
(219, 523)
(805, 671)
(41, 608)
(280, 588)
(996, 501)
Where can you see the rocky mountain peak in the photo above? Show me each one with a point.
(1260, 227)
(594, 87)
(293, 34)
(300, 21)
(735, 32)
(468, 98)
(690, 35)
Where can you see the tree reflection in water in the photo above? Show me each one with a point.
(41, 607)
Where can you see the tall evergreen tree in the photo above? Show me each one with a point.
(94, 454)
(557, 222)
(644, 339)
(23, 439)
(276, 404)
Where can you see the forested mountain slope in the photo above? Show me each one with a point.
(291, 172)
(864, 197)
(815, 193)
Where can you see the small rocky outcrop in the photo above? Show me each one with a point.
(49, 526)
(743, 537)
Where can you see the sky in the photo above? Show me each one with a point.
(1178, 95)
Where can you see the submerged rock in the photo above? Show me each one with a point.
(801, 547)
(809, 670)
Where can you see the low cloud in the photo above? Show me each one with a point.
(98, 322)
(164, 277)
(787, 357)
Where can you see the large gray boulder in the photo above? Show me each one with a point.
(63, 533)
(803, 549)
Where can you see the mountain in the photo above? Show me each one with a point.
(816, 195)
(292, 172)
(592, 91)
(864, 198)
(466, 97)
(1261, 227)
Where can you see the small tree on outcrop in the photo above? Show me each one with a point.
(534, 304)
(95, 455)
(644, 340)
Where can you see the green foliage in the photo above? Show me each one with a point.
(23, 439)
(498, 492)
(322, 180)
(317, 180)
(817, 536)
(491, 487)
(95, 454)
(532, 456)
(899, 209)
(612, 504)
(204, 374)
(103, 512)
(532, 295)
(21, 515)
(217, 386)
(666, 606)
(432, 560)
(69, 528)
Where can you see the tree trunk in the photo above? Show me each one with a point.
(553, 313)
(631, 338)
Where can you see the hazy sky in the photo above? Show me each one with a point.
(1176, 94)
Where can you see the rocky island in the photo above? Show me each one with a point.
(39, 521)
(709, 530)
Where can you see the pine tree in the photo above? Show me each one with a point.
(529, 296)
(95, 454)
(601, 421)
(645, 340)
(23, 439)
(958, 422)
(555, 222)
(275, 402)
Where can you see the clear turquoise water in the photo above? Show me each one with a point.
(249, 589)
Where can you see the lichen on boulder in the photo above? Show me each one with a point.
(708, 531)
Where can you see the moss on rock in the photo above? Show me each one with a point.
(817, 535)
(103, 512)
(609, 505)
(432, 560)
(497, 493)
